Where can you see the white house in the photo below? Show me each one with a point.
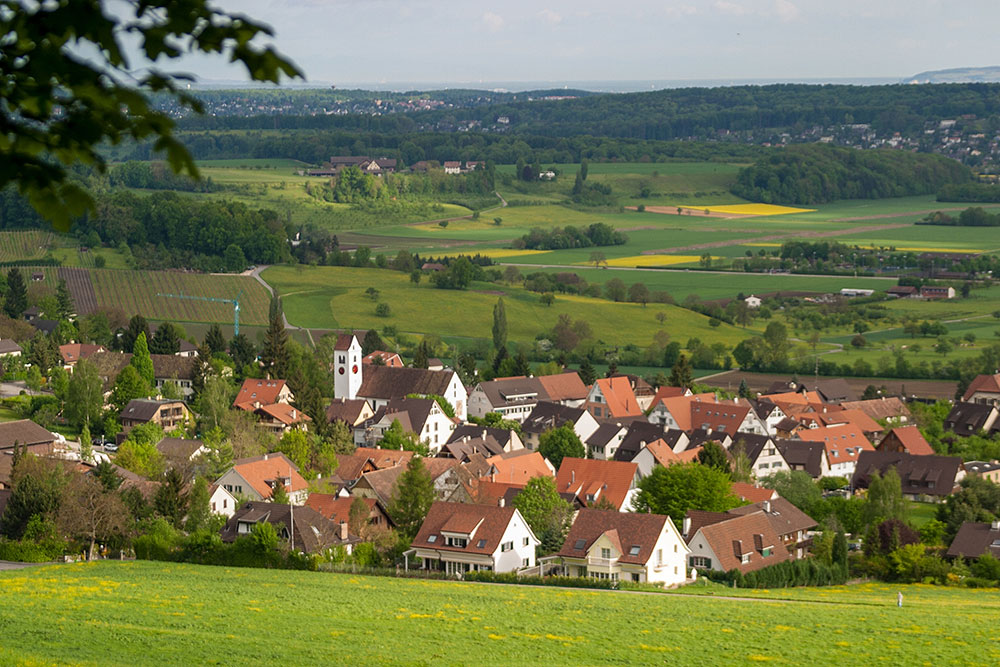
(548, 415)
(752, 301)
(256, 478)
(604, 544)
(458, 538)
(514, 398)
(422, 416)
(221, 501)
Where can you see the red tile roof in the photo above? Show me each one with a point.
(619, 397)
(74, 352)
(334, 507)
(624, 529)
(284, 413)
(261, 470)
(843, 443)
(592, 479)
(753, 494)
(744, 535)
(985, 383)
(520, 468)
(489, 523)
(564, 386)
(259, 391)
(912, 440)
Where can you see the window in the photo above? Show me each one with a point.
(525, 562)
(605, 553)
(213, 507)
(580, 544)
(745, 558)
(526, 541)
(766, 552)
(701, 561)
(480, 544)
(432, 539)
(225, 503)
(507, 546)
(659, 556)
(675, 548)
(634, 550)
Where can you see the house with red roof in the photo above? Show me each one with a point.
(843, 443)
(518, 466)
(622, 546)
(984, 389)
(613, 398)
(594, 482)
(565, 388)
(337, 508)
(753, 494)
(279, 418)
(382, 358)
(257, 392)
(906, 440)
(732, 542)
(256, 478)
(462, 537)
(72, 353)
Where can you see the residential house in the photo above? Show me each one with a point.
(844, 444)
(789, 522)
(636, 436)
(603, 443)
(548, 415)
(753, 494)
(764, 456)
(659, 452)
(256, 392)
(452, 167)
(735, 542)
(513, 397)
(380, 384)
(565, 388)
(186, 349)
(597, 483)
(72, 353)
(256, 478)
(984, 389)
(622, 546)
(975, 539)
(810, 457)
(382, 358)
(675, 411)
(518, 467)
(888, 408)
(181, 452)
(613, 398)
(421, 416)
(337, 508)
(988, 470)
(168, 414)
(967, 419)
(499, 439)
(903, 291)
(280, 418)
(643, 391)
(305, 529)
(222, 502)
(770, 414)
(906, 440)
(752, 301)
(349, 411)
(27, 434)
(166, 368)
(458, 538)
(9, 348)
(923, 478)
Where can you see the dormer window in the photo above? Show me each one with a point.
(634, 550)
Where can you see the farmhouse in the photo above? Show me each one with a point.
(458, 538)
(303, 528)
(619, 546)
(514, 397)
(752, 301)
(984, 389)
(933, 292)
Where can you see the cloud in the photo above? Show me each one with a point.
(785, 10)
(494, 22)
(731, 8)
(550, 16)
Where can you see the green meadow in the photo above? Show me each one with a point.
(113, 613)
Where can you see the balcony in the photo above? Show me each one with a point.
(594, 561)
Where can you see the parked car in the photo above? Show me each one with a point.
(110, 446)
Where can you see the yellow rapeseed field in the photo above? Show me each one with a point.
(651, 260)
(752, 209)
(499, 253)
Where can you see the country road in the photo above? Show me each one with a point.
(728, 273)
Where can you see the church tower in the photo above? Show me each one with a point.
(347, 367)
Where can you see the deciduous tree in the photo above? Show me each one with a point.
(558, 443)
(678, 488)
(548, 515)
(412, 497)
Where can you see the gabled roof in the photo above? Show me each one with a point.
(412, 413)
(802, 455)
(753, 494)
(912, 440)
(661, 452)
(347, 410)
(387, 358)
(336, 508)
(989, 384)
(920, 475)
(500, 436)
(975, 539)
(350, 467)
(850, 416)
(592, 479)
(513, 391)
(604, 434)
(843, 443)
(311, 530)
(463, 450)
(489, 523)
(625, 530)
(178, 449)
(383, 482)
(384, 458)
(8, 346)
(721, 417)
(888, 407)
(387, 382)
(518, 467)
(669, 392)
(969, 418)
(742, 535)
(144, 409)
(547, 415)
(261, 471)
(785, 517)
(619, 398)
(639, 433)
(564, 386)
(23, 432)
(254, 390)
(679, 407)
(284, 413)
(74, 352)
(344, 342)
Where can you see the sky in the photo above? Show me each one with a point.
(348, 42)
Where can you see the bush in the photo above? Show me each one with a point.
(567, 582)
(807, 572)
(383, 310)
(161, 542)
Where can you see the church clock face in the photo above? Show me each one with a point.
(354, 368)
(341, 370)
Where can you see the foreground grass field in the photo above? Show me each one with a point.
(140, 612)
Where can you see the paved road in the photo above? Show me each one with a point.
(12, 565)
(255, 274)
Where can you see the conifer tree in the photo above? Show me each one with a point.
(142, 362)
(412, 498)
(274, 355)
(16, 300)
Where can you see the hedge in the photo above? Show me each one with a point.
(806, 572)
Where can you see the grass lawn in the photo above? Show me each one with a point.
(112, 613)
(334, 297)
(921, 513)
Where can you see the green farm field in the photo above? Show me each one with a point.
(135, 292)
(112, 613)
(25, 245)
(334, 297)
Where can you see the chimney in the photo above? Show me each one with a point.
(686, 526)
(572, 476)
(995, 525)
(501, 502)
(767, 506)
(343, 530)
(265, 456)
(484, 434)
(294, 413)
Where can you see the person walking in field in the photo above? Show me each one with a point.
(899, 599)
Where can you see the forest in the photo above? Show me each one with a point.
(815, 174)
(982, 193)
(970, 217)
